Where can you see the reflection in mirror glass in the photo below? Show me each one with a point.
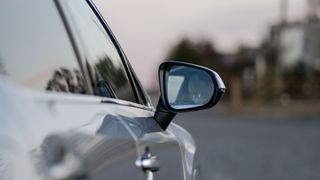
(175, 84)
(188, 87)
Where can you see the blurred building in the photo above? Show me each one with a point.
(298, 43)
(297, 57)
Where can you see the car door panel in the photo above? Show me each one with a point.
(60, 130)
(166, 148)
(163, 144)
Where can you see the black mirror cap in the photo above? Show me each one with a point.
(163, 74)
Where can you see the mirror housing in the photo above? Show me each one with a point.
(186, 87)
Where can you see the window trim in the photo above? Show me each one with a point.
(75, 45)
(80, 53)
(140, 96)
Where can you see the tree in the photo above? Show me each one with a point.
(201, 53)
(185, 51)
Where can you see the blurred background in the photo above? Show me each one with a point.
(268, 54)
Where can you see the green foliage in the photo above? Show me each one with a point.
(108, 71)
(201, 53)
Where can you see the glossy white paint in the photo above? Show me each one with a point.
(28, 117)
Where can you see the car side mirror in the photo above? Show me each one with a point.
(186, 87)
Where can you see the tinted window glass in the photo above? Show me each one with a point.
(103, 62)
(34, 47)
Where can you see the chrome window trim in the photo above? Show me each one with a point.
(79, 50)
(124, 58)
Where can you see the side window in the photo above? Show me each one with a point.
(35, 50)
(103, 62)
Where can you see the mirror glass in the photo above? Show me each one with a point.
(188, 87)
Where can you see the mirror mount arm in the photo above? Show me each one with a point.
(162, 115)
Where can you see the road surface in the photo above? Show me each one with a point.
(250, 146)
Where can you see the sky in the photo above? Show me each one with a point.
(148, 29)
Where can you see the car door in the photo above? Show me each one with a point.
(163, 145)
(149, 136)
(76, 102)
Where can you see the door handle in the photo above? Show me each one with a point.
(148, 163)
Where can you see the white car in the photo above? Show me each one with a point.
(71, 106)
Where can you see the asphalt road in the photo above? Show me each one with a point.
(256, 146)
